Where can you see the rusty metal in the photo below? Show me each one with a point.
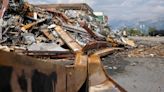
(46, 52)
(99, 81)
(25, 74)
(77, 73)
(57, 77)
(50, 54)
(68, 39)
(95, 45)
(4, 7)
(40, 76)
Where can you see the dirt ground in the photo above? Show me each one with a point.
(140, 69)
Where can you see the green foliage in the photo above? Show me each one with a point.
(132, 31)
(151, 30)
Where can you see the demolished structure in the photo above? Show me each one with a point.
(67, 42)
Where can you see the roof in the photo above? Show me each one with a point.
(75, 6)
(98, 13)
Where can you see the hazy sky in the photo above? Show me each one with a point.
(124, 10)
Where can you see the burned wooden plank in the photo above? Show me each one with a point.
(68, 39)
(3, 8)
(49, 35)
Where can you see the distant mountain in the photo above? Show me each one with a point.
(116, 24)
(157, 24)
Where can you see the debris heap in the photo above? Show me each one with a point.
(28, 28)
(57, 34)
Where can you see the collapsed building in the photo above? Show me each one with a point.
(67, 41)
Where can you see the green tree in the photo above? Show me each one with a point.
(151, 31)
(133, 32)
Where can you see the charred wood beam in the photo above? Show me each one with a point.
(68, 39)
(3, 8)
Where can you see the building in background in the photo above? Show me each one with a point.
(100, 16)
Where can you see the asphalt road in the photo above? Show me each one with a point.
(138, 74)
(146, 76)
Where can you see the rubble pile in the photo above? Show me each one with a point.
(28, 28)
(31, 28)
(152, 51)
(143, 51)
